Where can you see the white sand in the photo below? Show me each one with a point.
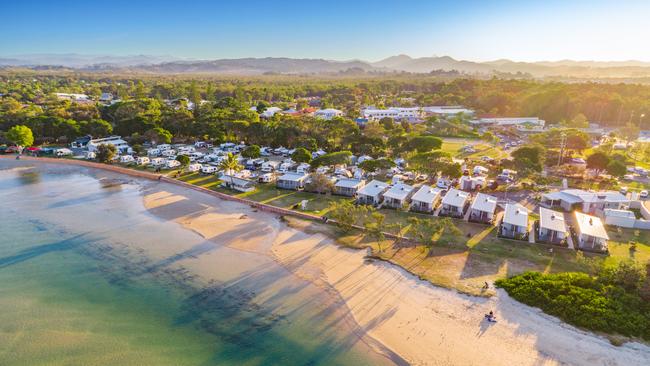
(424, 324)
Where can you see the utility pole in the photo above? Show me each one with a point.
(562, 146)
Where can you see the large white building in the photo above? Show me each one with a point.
(510, 121)
(413, 113)
(373, 114)
(585, 201)
(121, 145)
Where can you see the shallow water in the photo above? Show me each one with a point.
(88, 276)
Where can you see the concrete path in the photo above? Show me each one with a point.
(531, 234)
(437, 211)
(568, 219)
(466, 216)
(569, 242)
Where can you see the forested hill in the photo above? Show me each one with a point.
(284, 65)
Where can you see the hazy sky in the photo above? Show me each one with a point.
(370, 30)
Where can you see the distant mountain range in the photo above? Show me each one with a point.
(282, 65)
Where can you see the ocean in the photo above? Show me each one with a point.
(88, 276)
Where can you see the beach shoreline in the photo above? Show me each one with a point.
(405, 316)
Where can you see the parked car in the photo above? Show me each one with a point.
(643, 194)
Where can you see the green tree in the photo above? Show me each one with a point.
(598, 161)
(252, 152)
(230, 165)
(374, 227)
(95, 128)
(339, 157)
(20, 135)
(529, 158)
(346, 214)
(158, 135)
(184, 160)
(301, 155)
(373, 165)
(320, 183)
(106, 153)
(423, 144)
(616, 168)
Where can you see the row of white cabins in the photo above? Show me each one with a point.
(551, 227)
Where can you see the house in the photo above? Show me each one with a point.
(73, 97)
(468, 183)
(621, 218)
(270, 166)
(106, 97)
(585, 201)
(237, 183)
(293, 181)
(590, 232)
(482, 208)
(397, 195)
(515, 222)
(480, 170)
(371, 193)
(348, 187)
(328, 113)
(552, 227)
(425, 199)
(269, 112)
(454, 202)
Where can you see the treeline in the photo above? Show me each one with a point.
(610, 104)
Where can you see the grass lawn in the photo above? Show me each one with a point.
(454, 146)
(478, 255)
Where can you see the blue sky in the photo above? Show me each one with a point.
(370, 30)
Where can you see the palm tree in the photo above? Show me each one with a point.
(230, 165)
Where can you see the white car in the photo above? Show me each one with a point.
(63, 152)
(643, 194)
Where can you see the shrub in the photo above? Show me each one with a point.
(598, 304)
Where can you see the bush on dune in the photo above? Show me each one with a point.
(610, 302)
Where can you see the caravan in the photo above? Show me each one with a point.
(142, 160)
(126, 159)
(208, 169)
(171, 164)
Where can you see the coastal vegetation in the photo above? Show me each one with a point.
(615, 301)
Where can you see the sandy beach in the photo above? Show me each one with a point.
(423, 324)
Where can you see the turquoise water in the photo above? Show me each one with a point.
(76, 287)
